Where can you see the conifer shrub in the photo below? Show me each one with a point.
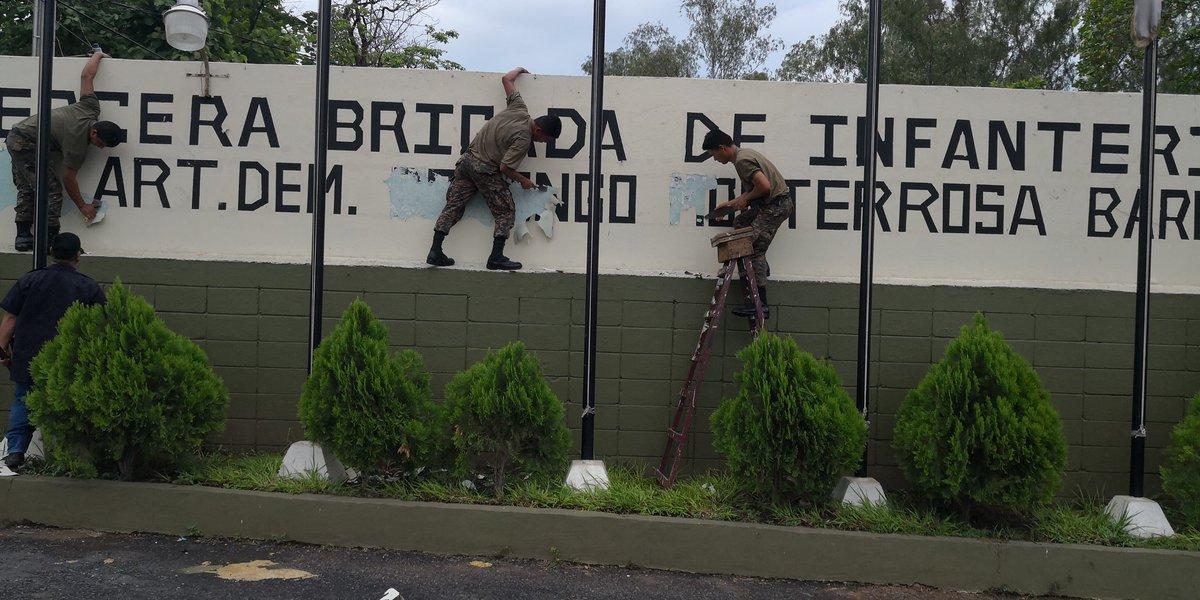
(979, 431)
(1181, 472)
(371, 409)
(118, 389)
(504, 417)
(792, 430)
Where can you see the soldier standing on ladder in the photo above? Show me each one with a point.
(765, 207)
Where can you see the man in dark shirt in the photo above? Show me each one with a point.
(32, 309)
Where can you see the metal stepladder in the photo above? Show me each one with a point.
(733, 249)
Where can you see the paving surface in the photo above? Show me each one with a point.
(67, 564)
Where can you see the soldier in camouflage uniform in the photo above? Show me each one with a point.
(73, 129)
(765, 207)
(495, 153)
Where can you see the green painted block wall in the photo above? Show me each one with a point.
(252, 320)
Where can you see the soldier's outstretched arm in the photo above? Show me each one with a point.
(87, 77)
(510, 80)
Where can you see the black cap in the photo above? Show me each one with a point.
(66, 246)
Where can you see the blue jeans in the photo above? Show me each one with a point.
(20, 431)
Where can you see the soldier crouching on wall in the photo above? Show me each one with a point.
(765, 207)
(495, 153)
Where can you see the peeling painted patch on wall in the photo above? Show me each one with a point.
(689, 191)
(421, 193)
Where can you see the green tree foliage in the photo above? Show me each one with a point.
(792, 429)
(1181, 473)
(649, 51)
(935, 42)
(503, 416)
(116, 387)
(256, 31)
(385, 33)
(372, 410)
(730, 36)
(979, 431)
(1108, 60)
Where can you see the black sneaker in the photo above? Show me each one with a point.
(24, 242)
(501, 263)
(438, 258)
(747, 310)
(14, 460)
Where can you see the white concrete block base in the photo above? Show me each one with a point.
(587, 476)
(1143, 517)
(37, 448)
(859, 491)
(304, 458)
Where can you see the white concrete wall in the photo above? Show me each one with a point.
(653, 118)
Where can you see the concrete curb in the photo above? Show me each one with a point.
(599, 538)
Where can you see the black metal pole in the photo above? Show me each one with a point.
(316, 190)
(45, 84)
(867, 221)
(595, 211)
(1137, 434)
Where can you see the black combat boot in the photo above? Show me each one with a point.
(498, 261)
(436, 257)
(24, 241)
(747, 310)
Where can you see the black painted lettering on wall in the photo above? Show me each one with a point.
(961, 136)
(157, 183)
(147, 117)
(1135, 216)
(259, 109)
(217, 122)
(465, 130)
(582, 199)
(1177, 216)
(282, 187)
(883, 193)
(884, 143)
(1194, 171)
(112, 170)
(911, 140)
(396, 126)
(264, 184)
(1099, 148)
(435, 112)
(613, 129)
(615, 184)
(691, 139)
(121, 98)
(67, 96)
(1168, 153)
(333, 185)
(196, 166)
(825, 205)
(1014, 145)
(1094, 211)
(931, 196)
(1027, 197)
(1060, 130)
(956, 197)
(829, 124)
(336, 125)
(981, 192)
(552, 149)
(742, 137)
(16, 114)
(714, 197)
(793, 186)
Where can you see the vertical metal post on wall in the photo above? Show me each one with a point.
(1137, 434)
(45, 81)
(316, 191)
(867, 221)
(595, 212)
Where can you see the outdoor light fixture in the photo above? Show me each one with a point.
(186, 25)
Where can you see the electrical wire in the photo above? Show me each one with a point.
(110, 29)
(239, 37)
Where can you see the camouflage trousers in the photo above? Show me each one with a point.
(765, 216)
(23, 153)
(471, 175)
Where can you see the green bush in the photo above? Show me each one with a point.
(371, 409)
(503, 416)
(116, 387)
(792, 430)
(979, 431)
(1181, 473)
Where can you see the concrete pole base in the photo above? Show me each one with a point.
(304, 459)
(859, 491)
(587, 476)
(1142, 517)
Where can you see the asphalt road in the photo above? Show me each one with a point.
(71, 564)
